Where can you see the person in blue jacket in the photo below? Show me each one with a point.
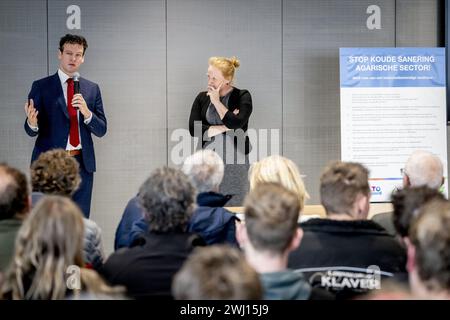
(210, 219)
(61, 118)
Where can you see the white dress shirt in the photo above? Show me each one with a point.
(63, 78)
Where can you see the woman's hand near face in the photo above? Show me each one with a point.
(213, 94)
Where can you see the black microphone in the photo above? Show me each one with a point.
(76, 83)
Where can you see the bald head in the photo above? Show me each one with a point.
(424, 169)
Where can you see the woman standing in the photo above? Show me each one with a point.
(221, 116)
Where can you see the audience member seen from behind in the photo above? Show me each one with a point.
(216, 273)
(422, 169)
(147, 268)
(269, 234)
(205, 169)
(56, 173)
(210, 219)
(406, 203)
(429, 252)
(280, 170)
(346, 253)
(14, 208)
(50, 244)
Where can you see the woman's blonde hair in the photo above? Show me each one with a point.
(49, 241)
(226, 65)
(280, 170)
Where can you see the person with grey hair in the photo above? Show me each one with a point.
(211, 220)
(146, 270)
(205, 169)
(422, 169)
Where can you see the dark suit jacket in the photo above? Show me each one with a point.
(53, 118)
(239, 99)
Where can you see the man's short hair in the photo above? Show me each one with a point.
(55, 172)
(205, 168)
(430, 235)
(217, 273)
(167, 198)
(340, 185)
(424, 169)
(271, 217)
(14, 192)
(73, 39)
(407, 202)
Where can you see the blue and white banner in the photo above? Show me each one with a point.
(393, 102)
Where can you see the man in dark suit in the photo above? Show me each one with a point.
(61, 119)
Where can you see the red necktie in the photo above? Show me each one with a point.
(74, 135)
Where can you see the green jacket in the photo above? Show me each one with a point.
(8, 232)
(285, 285)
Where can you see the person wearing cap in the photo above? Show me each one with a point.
(62, 117)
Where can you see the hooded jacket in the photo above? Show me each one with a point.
(285, 285)
(347, 257)
(210, 220)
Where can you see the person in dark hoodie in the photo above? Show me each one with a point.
(346, 253)
(210, 219)
(269, 234)
(147, 269)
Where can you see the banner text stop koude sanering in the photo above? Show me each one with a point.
(392, 103)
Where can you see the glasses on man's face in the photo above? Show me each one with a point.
(402, 172)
